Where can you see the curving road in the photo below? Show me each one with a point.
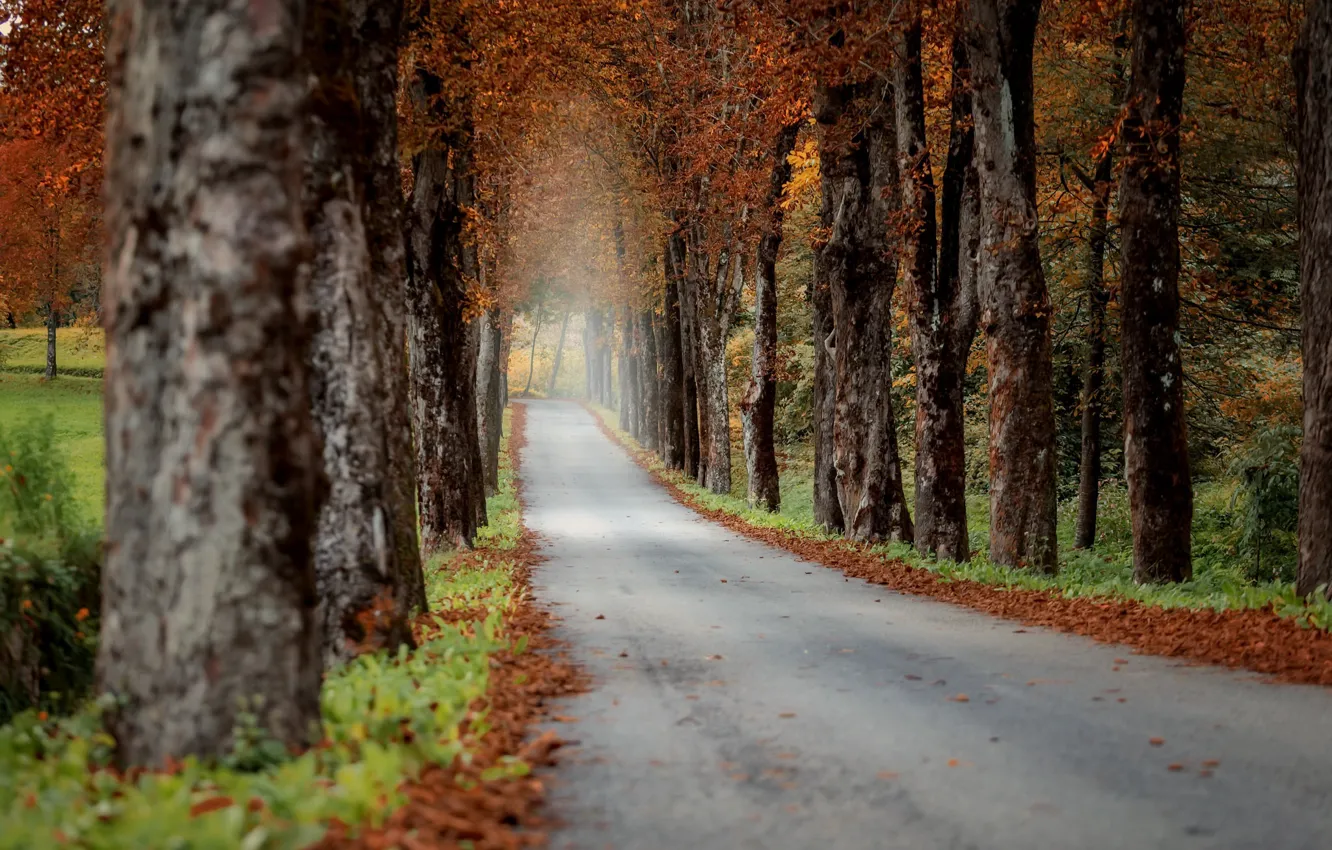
(747, 699)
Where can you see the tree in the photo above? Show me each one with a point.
(1015, 303)
(213, 470)
(941, 289)
(366, 558)
(1156, 449)
(441, 270)
(1313, 76)
(758, 407)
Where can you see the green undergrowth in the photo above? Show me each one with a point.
(74, 407)
(56, 788)
(1219, 582)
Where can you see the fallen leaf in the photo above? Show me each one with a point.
(1157, 742)
(723, 581)
(912, 677)
(960, 698)
(624, 655)
(1175, 768)
(786, 715)
(1120, 661)
(953, 762)
(714, 658)
(1211, 763)
(564, 718)
(887, 774)
(601, 616)
(786, 755)
(1204, 773)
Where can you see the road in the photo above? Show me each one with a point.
(747, 699)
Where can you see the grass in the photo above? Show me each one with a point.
(75, 408)
(55, 789)
(80, 352)
(1106, 572)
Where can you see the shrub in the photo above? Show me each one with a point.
(1267, 499)
(50, 574)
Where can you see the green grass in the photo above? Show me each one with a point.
(53, 791)
(75, 408)
(1106, 572)
(80, 352)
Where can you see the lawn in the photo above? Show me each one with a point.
(80, 352)
(74, 406)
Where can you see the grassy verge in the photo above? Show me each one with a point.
(80, 352)
(386, 720)
(1084, 575)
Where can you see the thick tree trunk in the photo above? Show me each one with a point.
(758, 408)
(52, 323)
(213, 470)
(1313, 76)
(671, 352)
(943, 304)
(1156, 448)
(860, 184)
(714, 307)
(559, 355)
(442, 344)
(1015, 302)
(1093, 367)
(367, 565)
(489, 396)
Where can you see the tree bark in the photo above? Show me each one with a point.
(506, 352)
(607, 358)
(629, 399)
(52, 323)
(1015, 302)
(827, 506)
(1313, 76)
(592, 354)
(1156, 449)
(213, 470)
(1093, 369)
(671, 351)
(860, 184)
(442, 344)
(559, 355)
(650, 411)
(715, 293)
(490, 402)
(758, 407)
(942, 295)
(693, 454)
(367, 564)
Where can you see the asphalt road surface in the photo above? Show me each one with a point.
(747, 699)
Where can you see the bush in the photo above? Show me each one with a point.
(50, 575)
(1267, 499)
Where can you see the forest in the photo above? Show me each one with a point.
(1032, 296)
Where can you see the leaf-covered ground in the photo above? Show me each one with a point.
(1266, 629)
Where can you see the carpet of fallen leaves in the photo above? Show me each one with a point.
(1257, 640)
(453, 805)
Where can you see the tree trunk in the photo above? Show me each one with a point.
(859, 183)
(670, 349)
(1156, 449)
(52, 323)
(367, 565)
(442, 344)
(213, 467)
(693, 457)
(942, 297)
(531, 358)
(650, 416)
(1093, 369)
(607, 357)
(758, 408)
(629, 399)
(1015, 302)
(559, 355)
(1313, 76)
(592, 355)
(827, 507)
(490, 401)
